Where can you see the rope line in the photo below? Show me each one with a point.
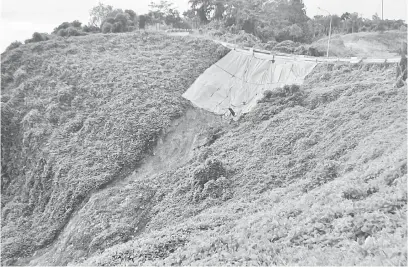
(232, 75)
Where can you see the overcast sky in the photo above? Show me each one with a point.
(21, 18)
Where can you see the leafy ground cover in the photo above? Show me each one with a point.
(79, 113)
(128, 174)
(313, 177)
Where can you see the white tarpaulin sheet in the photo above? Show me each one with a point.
(239, 79)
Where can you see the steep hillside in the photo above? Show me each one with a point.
(364, 44)
(78, 114)
(105, 163)
(318, 177)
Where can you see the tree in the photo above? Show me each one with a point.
(99, 13)
(295, 31)
(355, 22)
(120, 21)
(203, 9)
(375, 17)
(172, 18)
(142, 21)
(344, 18)
(132, 14)
(160, 10)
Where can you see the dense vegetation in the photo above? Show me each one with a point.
(310, 180)
(281, 20)
(313, 176)
(305, 175)
(104, 163)
(249, 22)
(79, 113)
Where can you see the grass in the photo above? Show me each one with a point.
(79, 113)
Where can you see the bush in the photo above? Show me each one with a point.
(267, 94)
(285, 91)
(76, 24)
(91, 29)
(380, 27)
(270, 45)
(37, 37)
(62, 32)
(121, 18)
(71, 31)
(266, 34)
(314, 52)
(211, 170)
(117, 27)
(286, 47)
(13, 45)
(301, 50)
(132, 14)
(63, 25)
(107, 27)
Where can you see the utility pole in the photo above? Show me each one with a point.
(382, 9)
(328, 42)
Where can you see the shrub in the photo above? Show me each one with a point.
(63, 25)
(107, 27)
(91, 29)
(314, 52)
(267, 94)
(380, 27)
(286, 46)
(282, 92)
(117, 27)
(71, 31)
(211, 170)
(62, 32)
(121, 18)
(301, 50)
(294, 88)
(265, 34)
(270, 45)
(132, 14)
(37, 37)
(109, 20)
(13, 45)
(76, 24)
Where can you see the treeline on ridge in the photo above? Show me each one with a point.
(268, 21)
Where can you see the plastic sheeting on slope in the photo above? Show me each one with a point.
(239, 79)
